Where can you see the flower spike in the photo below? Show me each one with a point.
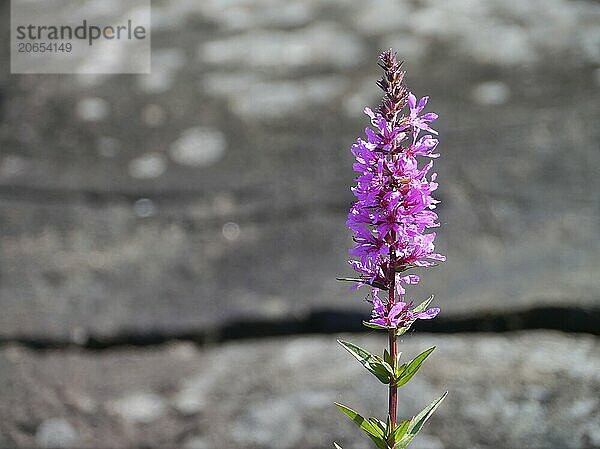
(391, 222)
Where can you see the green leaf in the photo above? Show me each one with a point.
(398, 357)
(375, 365)
(375, 284)
(401, 429)
(374, 326)
(350, 279)
(380, 424)
(423, 306)
(399, 370)
(408, 266)
(387, 357)
(402, 330)
(374, 432)
(417, 422)
(382, 371)
(407, 371)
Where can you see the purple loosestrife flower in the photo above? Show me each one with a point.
(391, 222)
(416, 122)
(394, 208)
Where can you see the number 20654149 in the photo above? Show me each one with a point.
(45, 47)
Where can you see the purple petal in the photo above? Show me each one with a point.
(396, 310)
(399, 289)
(378, 306)
(379, 321)
(429, 117)
(411, 279)
(371, 135)
(429, 314)
(412, 101)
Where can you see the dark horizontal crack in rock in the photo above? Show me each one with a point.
(570, 320)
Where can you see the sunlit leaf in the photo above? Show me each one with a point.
(373, 431)
(377, 422)
(410, 369)
(423, 306)
(417, 422)
(401, 429)
(374, 326)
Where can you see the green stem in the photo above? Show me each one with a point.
(393, 343)
(393, 393)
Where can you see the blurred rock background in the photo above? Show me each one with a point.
(150, 220)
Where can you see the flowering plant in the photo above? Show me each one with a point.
(389, 221)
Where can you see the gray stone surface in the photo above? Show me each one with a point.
(215, 189)
(55, 433)
(524, 390)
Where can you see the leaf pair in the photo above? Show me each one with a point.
(380, 432)
(384, 368)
